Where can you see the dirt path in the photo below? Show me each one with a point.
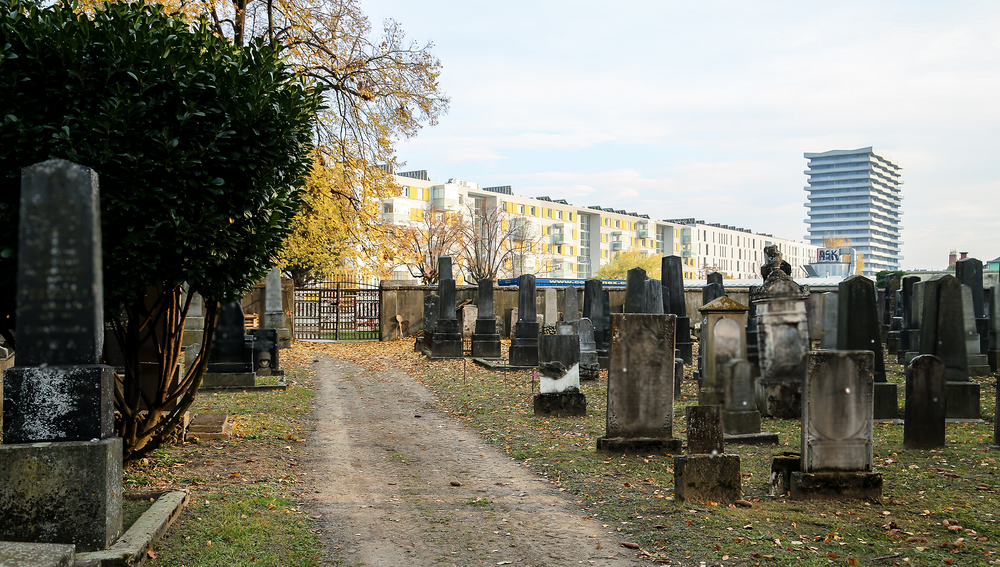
(384, 466)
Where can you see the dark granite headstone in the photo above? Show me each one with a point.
(444, 268)
(942, 326)
(672, 274)
(432, 308)
(230, 351)
(447, 339)
(589, 366)
(265, 352)
(993, 350)
(858, 328)
(969, 271)
(654, 297)
(486, 339)
(58, 390)
(593, 309)
(714, 288)
(753, 356)
(524, 347)
(926, 405)
(60, 464)
(635, 291)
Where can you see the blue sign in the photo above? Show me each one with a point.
(564, 282)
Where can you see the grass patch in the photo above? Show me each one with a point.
(634, 494)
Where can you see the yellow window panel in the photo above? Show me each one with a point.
(503, 225)
(574, 232)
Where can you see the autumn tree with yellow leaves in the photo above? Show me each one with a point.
(421, 243)
(617, 268)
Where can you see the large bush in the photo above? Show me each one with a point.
(201, 149)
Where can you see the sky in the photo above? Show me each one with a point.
(704, 109)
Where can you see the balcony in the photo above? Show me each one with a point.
(558, 232)
(642, 230)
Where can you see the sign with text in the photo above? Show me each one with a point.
(828, 256)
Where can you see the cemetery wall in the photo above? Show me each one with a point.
(404, 298)
(253, 302)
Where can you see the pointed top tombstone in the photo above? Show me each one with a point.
(60, 303)
(672, 272)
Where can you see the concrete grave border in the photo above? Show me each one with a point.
(130, 549)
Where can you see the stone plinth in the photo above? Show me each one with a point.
(67, 492)
(486, 340)
(447, 341)
(524, 346)
(704, 478)
(962, 400)
(229, 380)
(21, 554)
(836, 486)
(58, 403)
(782, 467)
(563, 404)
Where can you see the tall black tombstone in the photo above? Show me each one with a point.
(230, 352)
(909, 321)
(969, 271)
(654, 297)
(524, 347)
(858, 328)
(635, 291)
(597, 308)
(485, 340)
(672, 274)
(447, 339)
(60, 464)
(432, 308)
(926, 403)
(942, 333)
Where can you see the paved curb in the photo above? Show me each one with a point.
(130, 549)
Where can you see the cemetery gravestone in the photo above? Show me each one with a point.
(837, 435)
(993, 353)
(924, 413)
(559, 377)
(524, 347)
(830, 317)
(640, 386)
(486, 339)
(969, 272)
(635, 291)
(589, 367)
(274, 311)
(550, 303)
(978, 363)
(942, 333)
(230, 363)
(194, 324)
(740, 418)
(447, 340)
(59, 400)
(858, 329)
(672, 272)
(753, 351)
(723, 326)
(783, 342)
(706, 474)
(468, 314)
(432, 308)
(654, 297)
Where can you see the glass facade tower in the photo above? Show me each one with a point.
(855, 195)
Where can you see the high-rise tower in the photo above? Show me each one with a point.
(855, 195)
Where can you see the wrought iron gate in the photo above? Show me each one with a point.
(337, 310)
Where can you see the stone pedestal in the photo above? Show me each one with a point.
(67, 492)
(229, 380)
(836, 486)
(782, 467)
(524, 347)
(20, 554)
(58, 403)
(486, 340)
(703, 478)
(563, 404)
(962, 400)
(447, 342)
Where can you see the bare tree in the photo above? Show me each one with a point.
(421, 243)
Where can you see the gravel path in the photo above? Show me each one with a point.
(401, 483)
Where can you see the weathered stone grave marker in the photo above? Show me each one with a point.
(274, 310)
(486, 339)
(230, 364)
(924, 413)
(672, 274)
(59, 400)
(640, 386)
(740, 418)
(447, 340)
(783, 341)
(858, 328)
(942, 333)
(723, 338)
(524, 347)
(706, 473)
(837, 435)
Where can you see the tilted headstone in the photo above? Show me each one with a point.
(858, 328)
(926, 404)
(672, 272)
(524, 347)
(486, 339)
(783, 342)
(60, 464)
(635, 291)
(837, 428)
(640, 385)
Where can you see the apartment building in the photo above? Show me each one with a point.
(563, 240)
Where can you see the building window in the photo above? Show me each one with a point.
(618, 224)
(520, 209)
(559, 214)
(533, 212)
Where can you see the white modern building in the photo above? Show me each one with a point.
(570, 241)
(855, 195)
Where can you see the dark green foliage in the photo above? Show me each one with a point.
(882, 277)
(201, 148)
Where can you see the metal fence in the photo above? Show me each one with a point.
(340, 310)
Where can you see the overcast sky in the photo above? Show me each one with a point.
(704, 109)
